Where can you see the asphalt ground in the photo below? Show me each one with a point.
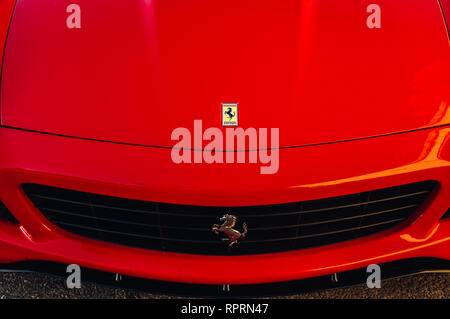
(39, 286)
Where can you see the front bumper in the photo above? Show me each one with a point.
(393, 269)
(148, 173)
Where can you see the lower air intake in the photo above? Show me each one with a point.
(187, 229)
(5, 214)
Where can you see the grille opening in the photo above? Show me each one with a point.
(187, 228)
(5, 214)
(446, 215)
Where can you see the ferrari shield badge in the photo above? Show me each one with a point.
(228, 222)
(229, 114)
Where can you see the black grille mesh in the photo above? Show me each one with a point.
(6, 214)
(187, 229)
(447, 214)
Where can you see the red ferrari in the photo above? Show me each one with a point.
(243, 147)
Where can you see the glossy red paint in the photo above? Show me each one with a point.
(147, 173)
(138, 69)
(445, 7)
(6, 10)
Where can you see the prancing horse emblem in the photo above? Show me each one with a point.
(229, 221)
(230, 113)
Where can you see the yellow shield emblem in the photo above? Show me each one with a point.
(229, 114)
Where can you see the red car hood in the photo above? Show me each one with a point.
(136, 70)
